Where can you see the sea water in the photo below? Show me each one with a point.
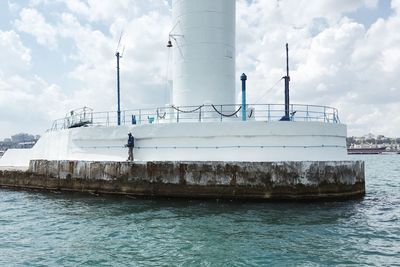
(64, 229)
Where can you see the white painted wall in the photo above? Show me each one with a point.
(242, 141)
(94, 143)
(85, 143)
(204, 58)
(16, 159)
(229, 141)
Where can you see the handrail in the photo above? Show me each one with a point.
(217, 147)
(203, 113)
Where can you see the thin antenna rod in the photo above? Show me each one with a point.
(119, 56)
(287, 59)
(118, 89)
(119, 41)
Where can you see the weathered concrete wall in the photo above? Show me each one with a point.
(242, 180)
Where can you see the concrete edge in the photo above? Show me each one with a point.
(146, 180)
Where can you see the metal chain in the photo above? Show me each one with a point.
(224, 115)
(189, 111)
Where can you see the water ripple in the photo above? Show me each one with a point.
(52, 229)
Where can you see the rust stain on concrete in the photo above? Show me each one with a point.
(235, 180)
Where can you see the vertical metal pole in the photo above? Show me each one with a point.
(291, 112)
(243, 78)
(221, 112)
(287, 80)
(200, 114)
(118, 90)
(334, 116)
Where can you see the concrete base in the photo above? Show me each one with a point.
(237, 180)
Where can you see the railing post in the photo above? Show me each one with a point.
(336, 112)
(200, 114)
(324, 114)
(292, 110)
(334, 116)
(220, 112)
(177, 115)
(269, 112)
(337, 116)
(140, 116)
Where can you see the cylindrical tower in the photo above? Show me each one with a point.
(204, 52)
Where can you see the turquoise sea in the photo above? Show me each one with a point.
(64, 229)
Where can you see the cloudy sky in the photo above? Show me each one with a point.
(58, 55)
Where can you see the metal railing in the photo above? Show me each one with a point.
(203, 113)
(75, 118)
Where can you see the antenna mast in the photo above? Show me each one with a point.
(287, 60)
(118, 90)
(287, 81)
(119, 56)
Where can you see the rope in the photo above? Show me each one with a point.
(270, 89)
(161, 117)
(224, 115)
(187, 111)
(251, 113)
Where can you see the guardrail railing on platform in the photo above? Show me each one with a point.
(203, 113)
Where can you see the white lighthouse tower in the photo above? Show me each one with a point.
(203, 123)
(203, 37)
(200, 146)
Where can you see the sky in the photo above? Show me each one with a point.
(59, 55)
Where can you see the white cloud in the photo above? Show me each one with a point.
(14, 56)
(341, 64)
(40, 2)
(32, 22)
(372, 4)
(92, 55)
(31, 107)
(335, 61)
(142, 67)
(27, 103)
(396, 5)
(13, 7)
(78, 7)
(110, 11)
